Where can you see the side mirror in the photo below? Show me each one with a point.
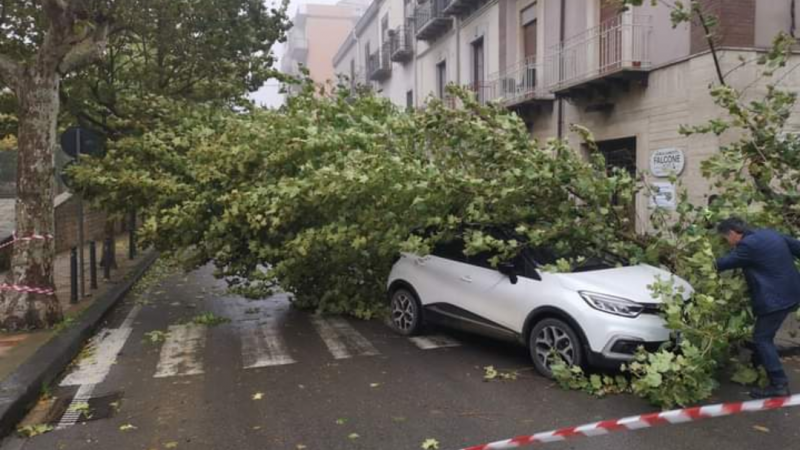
(509, 269)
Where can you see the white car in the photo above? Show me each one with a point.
(596, 315)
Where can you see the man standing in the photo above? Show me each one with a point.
(767, 258)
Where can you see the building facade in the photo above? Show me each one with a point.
(629, 76)
(317, 33)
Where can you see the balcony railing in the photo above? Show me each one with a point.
(617, 45)
(379, 64)
(521, 82)
(430, 20)
(401, 49)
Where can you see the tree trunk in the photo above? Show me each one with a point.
(32, 261)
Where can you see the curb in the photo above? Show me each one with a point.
(20, 390)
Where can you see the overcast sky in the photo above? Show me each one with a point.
(269, 94)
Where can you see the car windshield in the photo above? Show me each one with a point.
(581, 261)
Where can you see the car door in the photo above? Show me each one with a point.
(489, 294)
(443, 271)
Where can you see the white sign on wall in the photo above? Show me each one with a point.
(667, 161)
(663, 195)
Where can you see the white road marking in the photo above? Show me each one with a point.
(263, 345)
(73, 413)
(94, 368)
(181, 352)
(434, 341)
(106, 345)
(342, 340)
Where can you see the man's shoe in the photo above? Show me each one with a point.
(771, 391)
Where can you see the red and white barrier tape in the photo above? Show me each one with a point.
(32, 237)
(26, 289)
(644, 421)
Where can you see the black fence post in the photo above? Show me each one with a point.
(73, 275)
(132, 236)
(92, 265)
(107, 258)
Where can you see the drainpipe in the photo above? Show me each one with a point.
(562, 33)
(458, 51)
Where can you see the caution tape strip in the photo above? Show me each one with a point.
(26, 289)
(673, 417)
(32, 237)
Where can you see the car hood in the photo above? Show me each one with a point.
(627, 282)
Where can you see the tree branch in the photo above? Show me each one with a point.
(85, 51)
(10, 72)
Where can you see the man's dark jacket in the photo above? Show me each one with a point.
(767, 258)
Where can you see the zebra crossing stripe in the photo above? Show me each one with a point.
(342, 340)
(94, 368)
(263, 345)
(181, 352)
(106, 345)
(434, 341)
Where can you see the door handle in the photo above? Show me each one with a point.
(466, 279)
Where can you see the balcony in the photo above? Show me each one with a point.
(379, 64)
(402, 49)
(430, 20)
(458, 7)
(298, 48)
(521, 83)
(617, 50)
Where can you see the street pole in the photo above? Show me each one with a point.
(80, 219)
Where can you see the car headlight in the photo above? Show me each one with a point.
(612, 305)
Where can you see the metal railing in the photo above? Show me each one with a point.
(401, 47)
(520, 82)
(427, 14)
(379, 63)
(621, 43)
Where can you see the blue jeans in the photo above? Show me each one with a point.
(766, 328)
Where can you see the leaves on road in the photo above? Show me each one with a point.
(258, 396)
(209, 319)
(154, 337)
(353, 436)
(127, 427)
(30, 431)
(341, 421)
(490, 374)
(760, 428)
(171, 444)
(374, 385)
(430, 444)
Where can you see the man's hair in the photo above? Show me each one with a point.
(733, 224)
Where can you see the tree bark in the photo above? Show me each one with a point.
(32, 261)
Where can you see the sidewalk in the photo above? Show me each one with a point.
(16, 348)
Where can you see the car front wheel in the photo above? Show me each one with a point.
(552, 340)
(406, 312)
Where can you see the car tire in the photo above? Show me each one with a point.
(554, 334)
(405, 312)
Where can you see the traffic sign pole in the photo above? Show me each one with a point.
(80, 219)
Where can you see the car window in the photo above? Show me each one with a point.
(453, 250)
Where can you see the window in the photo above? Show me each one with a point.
(529, 45)
(441, 79)
(478, 68)
(385, 28)
(410, 100)
(452, 250)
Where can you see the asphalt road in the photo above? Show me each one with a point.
(278, 378)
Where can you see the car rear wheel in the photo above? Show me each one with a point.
(552, 340)
(406, 312)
